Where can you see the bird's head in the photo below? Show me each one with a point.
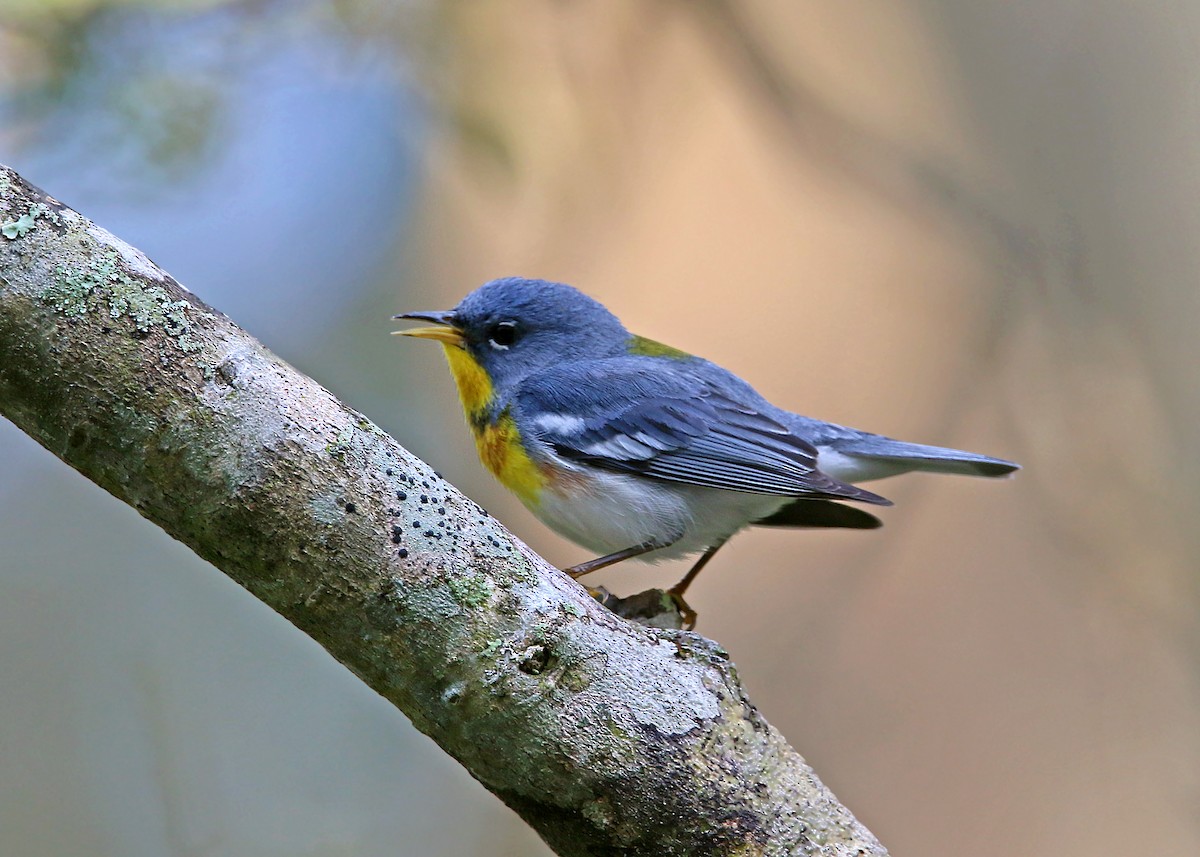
(514, 326)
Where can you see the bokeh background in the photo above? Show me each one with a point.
(966, 223)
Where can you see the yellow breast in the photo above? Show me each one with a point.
(499, 441)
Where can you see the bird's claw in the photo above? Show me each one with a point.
(654, 607)
(686, 614)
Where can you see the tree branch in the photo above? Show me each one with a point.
(606, 736)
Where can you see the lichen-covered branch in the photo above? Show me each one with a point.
(606, 736)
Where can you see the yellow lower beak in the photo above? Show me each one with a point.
(448, 335)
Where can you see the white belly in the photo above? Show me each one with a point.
(607, 512)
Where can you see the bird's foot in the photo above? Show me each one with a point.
(687, 615)
(654, 608)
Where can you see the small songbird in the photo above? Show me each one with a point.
(632, 448)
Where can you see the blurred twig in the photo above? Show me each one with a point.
(891, 170)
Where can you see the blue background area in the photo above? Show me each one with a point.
(168, 713)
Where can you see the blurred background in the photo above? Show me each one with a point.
(963, 223)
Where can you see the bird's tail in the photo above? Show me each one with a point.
(899, 457)
(806, 514)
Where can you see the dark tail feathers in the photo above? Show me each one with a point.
(820, 513)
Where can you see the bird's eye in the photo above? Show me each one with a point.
(502, 335)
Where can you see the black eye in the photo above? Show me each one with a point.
(502, 334)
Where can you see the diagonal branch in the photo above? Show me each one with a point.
(606, 736)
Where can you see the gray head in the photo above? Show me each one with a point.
(515, 326)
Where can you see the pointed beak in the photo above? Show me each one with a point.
(443, 331)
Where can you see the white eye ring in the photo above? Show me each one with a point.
(507, 330)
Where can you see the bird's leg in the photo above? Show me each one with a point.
(686, 614)
(578, 571)
(676, 592)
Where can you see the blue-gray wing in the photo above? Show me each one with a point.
(628, 416)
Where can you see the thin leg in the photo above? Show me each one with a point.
(578, 571)
(679, 588)
(686, 613)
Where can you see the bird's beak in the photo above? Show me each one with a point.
(445, 330)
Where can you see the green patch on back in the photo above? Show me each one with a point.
(644, 347)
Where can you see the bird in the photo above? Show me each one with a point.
(632, 448)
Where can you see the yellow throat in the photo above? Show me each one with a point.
(498, 441)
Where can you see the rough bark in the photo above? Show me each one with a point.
(606, 736)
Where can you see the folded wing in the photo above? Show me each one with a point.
(625, 415)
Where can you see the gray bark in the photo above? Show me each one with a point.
(606, 736)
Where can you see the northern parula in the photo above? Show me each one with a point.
(632, 448)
